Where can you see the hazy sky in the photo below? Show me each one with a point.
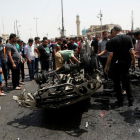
(49, 17)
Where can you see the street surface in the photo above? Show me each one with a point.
(77, 122)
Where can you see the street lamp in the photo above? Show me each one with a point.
(36, 26)
(100, 15)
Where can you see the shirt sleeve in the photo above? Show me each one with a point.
(25, 50)
(99, 44)
(130, 44)
(110, 47)
(8, 48)
(92, 44)
(134, 41)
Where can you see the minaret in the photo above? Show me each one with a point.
(78, 25)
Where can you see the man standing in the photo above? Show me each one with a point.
(44, 53)
(14, 59)
(29, 54)
(36, 44)
(121, 53)
(94, 45)
(83, 48)
(137, 36)
(20, 43)
(3, 62)
(88, 42)
(101, 47)
(72, 46)
(133, 39)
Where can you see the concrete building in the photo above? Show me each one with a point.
(5, 37)
(98, 30)
(78, 25)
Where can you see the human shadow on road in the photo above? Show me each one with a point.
(66, 119)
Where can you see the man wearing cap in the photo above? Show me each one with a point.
(121, 54)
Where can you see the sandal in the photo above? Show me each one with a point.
(17, 88)
(2, 94)
(7, 85)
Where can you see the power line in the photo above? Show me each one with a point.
(45, 8)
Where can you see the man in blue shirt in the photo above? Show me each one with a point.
(1, 94)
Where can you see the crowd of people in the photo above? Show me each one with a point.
(116, 52)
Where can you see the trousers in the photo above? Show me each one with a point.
(31, 67)
(5, 71)
(120, 71)
(15, 75)
(45, 65)
(103, 62)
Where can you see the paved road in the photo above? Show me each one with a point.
(69, 123)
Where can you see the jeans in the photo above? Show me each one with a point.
(31, 67)
(15, 75)
(45, 65)
(120, 71)
(103, 62)
(36, 65)
(22, 71)
(5, 71)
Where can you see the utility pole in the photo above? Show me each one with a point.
(132, 20)
(3, 26)
(14, 27)
(36, 26)
(62, 35)
(100, 16)
(101, 21)
(17, 29)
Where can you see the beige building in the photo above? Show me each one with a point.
(5, 37)
(97, 29)
(78, 25)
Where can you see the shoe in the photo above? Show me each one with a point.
(119, 104)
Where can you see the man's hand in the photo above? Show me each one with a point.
(29, 61)
(14, 66)
(105, 70)
(0, 71)
(21, 61)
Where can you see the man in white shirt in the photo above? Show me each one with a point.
(29, 54)
(36, 44)
(88, 41)
(83, 48)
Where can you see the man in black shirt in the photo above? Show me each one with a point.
(121, 54)
(64, 45)
(42, 51)
(133, 39)
(94, 44)
(72, 46)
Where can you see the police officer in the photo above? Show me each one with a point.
(121, 53)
